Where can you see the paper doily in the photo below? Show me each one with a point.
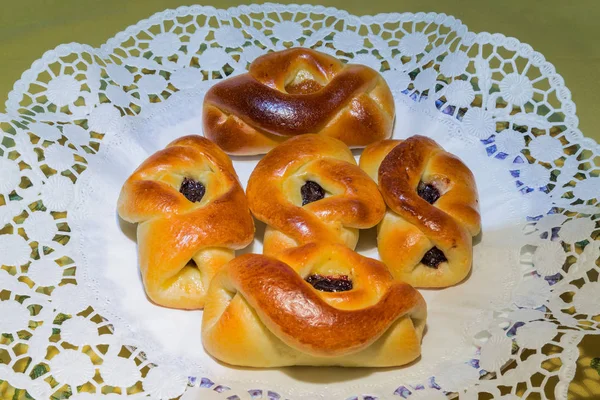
(65, 330)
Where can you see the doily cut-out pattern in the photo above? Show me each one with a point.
(61, 334)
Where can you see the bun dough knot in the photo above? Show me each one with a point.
(426, 235)
(192, 215)
(297, 91)
(264, 312)
(309, 189)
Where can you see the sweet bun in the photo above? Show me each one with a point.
(297, 91)
(192, 215)
(309, 189)
(425, 238)
(263, 312)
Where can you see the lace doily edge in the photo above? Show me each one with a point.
(12, 103)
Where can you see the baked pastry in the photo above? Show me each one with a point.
(191, 213)
(425, 238)
(319, 304)
(309, 189)
(296, 91)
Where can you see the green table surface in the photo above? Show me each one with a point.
(566, 32)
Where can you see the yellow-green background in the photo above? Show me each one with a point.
(567, 32)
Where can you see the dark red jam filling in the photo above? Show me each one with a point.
(428, 192)
(434, 257)
(192, 190)
(330, 283)
(311, 191)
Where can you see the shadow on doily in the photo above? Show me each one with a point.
(129, 229)
(259, 234)
(325, 375)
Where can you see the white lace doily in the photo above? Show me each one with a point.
(73, 316)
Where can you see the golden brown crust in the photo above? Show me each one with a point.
(173, 230)
(253, 112)
(317, 328)
(412, 226)
(372, 155)
(274, 194)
